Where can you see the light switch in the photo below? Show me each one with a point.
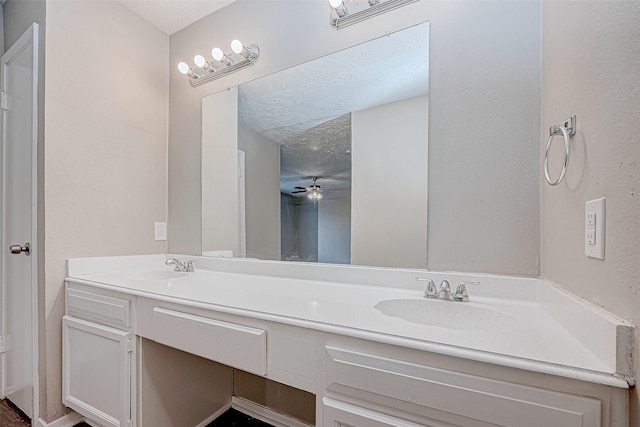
(594, 228)
(161, 230)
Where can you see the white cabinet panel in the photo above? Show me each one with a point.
(99, 308)
(475, 398)
(97, 371)
(341, 414)
(228, 343)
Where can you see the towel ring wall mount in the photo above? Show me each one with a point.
(567, 129)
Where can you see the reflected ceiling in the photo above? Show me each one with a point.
(307, 108)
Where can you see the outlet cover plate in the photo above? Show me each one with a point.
(160, 230)
(594, 228)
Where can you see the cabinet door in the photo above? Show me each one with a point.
(96, 371)
(341, 414)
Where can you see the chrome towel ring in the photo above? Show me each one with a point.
(567, 129)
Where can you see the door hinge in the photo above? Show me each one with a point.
(129, 345)
(4, 101)
(4, 344)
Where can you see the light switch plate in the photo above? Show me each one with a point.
(161, 230)
(594, 228)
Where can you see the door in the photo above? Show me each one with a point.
(96, 371)
(18, 85)
(242, 226)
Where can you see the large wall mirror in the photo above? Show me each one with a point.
(325, 161)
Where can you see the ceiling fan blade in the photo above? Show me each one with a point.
(299, 191)
(301, 188)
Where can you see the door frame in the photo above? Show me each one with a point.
(30, 37)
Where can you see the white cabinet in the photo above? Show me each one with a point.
(366, 384)
(358, 382)
(97, 371)
(341, 414)
(98, 364)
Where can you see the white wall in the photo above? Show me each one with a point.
(389, 184)
(105, 148)
(591, 68)
(484, 116)
(262, 191)
(220, 172)
(334, 229)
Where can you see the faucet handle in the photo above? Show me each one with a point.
(445, 286)
(445, 290)
(431, 291)
(175, 262)
(461, 291)
(190, 268)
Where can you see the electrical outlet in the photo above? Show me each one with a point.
(594, 228)
(161, 230)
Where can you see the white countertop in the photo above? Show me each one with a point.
(518, 331)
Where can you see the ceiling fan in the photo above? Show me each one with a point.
(313, 190)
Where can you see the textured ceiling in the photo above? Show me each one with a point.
(323, 151)
(307, 108)
(173, 15)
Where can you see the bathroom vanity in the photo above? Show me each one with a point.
(365, 341)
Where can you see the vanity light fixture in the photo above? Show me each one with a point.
(341, 17)
(222, 64)
(185, 69)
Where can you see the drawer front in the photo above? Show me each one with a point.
(98, 308)
(446, 395)
(341, 414)
(231, 344)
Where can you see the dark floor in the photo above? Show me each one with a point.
(11, 416)
(233, 418)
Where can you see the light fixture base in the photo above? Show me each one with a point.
(246, 62)
(379, 8)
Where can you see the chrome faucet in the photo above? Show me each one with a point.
(180, 265)
(445, 290)
(461, 291)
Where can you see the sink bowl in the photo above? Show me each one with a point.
(446, 314)
(154, 275)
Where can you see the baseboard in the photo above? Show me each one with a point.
(265, 414)
(214, 416)
(69, 420)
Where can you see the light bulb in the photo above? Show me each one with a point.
(217, 54)
(183, 68)
(237, 46)
(335, 3)
(199, 61)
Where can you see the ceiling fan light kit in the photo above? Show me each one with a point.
(314, 190)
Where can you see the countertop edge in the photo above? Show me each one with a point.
(603, 378)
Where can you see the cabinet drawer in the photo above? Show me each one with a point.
(446, 395)
(231, 344)
(99, 308)
(341, 414)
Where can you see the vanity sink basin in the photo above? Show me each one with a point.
(154, 275)
(446, 314)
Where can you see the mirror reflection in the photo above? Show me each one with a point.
(320, 157)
